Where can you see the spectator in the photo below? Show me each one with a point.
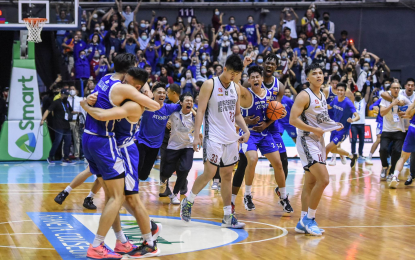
(102, 68)
(79, 45)
(251, 30)
(217, 19)
(313, 47)
(310, 24)
(326, 23)
(358, 127)
(3, 106)
(231, 27)
(164, 73)
(287, 20)
(127, 15)
(96, 45)
(82, 67)
(188, 83)
(287, 38)
(74, 100)
(151, 54)
(94, 61)
(62, 17)
(90, 85)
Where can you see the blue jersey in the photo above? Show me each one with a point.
(342, 111)
(102, 128)
(153, 124)
(379, 118)
(331, 96)
(258, 107)
(288, 104)
(250, 32)
(124, 131)
(273, 93)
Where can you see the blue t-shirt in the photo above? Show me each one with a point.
(103, 70)
(379, 118)
(288, 104)
(250, 32)
(342, 111)
(153, 124)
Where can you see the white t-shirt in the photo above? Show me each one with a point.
(182, 131)
(389, 125)
(361, 110)
(75, 103)
(128, 18)
(292, 25)
(411, 99)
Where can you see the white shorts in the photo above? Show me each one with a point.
(311, 151)
(221, 155)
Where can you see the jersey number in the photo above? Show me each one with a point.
(214, 158)
(232, 116)
(320, 157)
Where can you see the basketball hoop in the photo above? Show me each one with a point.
(34, 26)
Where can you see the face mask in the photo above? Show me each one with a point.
(95, 16)
(97, 29)
(179, 21)
(313, 10)
(335, 69)
(284, 57)
(387, 85)
(168, 47)
(300, 41)
(244, 79)
(324, 39)
(225, 38)
(260, 61)
(326, 18)
(319, 56)
(188, 75)
(151, 46)
(358, 98)
(349, 69)
(163, 37)
(187, 45)
(177, 65)
(206, 46)
(250, 21)
(350, 54)
(203, 57)
(184, 58)
(84, 29)
(365, 68)
(96, 56)
(269, 36)
(241, 38)
(304, 54)
(82, 56)
(144, 37)
(217, 13)
(338, 51)
(132, 26)
(143, 25)
(203, 70)
(164, 22)
(55, 92)
(103, 27)
(198, 40)
(367, 59)
(232, 21)
(220, 33)
(314, 42)
(72, 92)
(169, 32)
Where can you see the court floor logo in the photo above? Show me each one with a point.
(27, 142)
(71, 233)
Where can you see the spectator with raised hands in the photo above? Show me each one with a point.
(130, 44)
(188, 83)
(151, 54)
(310, 24)
(96, 45)
(313, 47)
(288, 19)
(251, 30)
(217, 19)
(231, 27)
(102, 68)
(326, 23)
(179, 71)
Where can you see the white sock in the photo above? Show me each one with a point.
(333, 156)
(227, 210)
(370, 155)
(120, 236)
(350, 155)
(303, 213)
(282, 192)
(90, 195)
(396, 173)
(98, 240)
(248, 189)
(191, 197)
(68, 189)
(311, 213)
(233, 199)
(215, 180)
(148, 238)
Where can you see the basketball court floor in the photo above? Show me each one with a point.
(363, 219)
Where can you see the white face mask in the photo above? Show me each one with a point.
(225, 38)
(83, 29)
(198, 40)
(97, 28)
(203, 70)
(72, 92)
(95, 16)
(188, 75)
(232, 21)
(187, 45)
(102, 27)
(217, 13)
(163, 37)
(226, 43)
(314, 42)
(269, 36)
(335, 69)
(203, 57)
(241, 38)
(132, 26)
(144, 37)
(300, 41)
(168, 48)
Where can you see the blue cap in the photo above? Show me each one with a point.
(65, 91)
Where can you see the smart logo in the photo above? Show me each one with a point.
(27, 142)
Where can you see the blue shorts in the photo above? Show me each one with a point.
(379, 128)
(264, 142)
(339, 136)
(291, 130)
(103, 156)
(131, 157)
(409, 143)
(278, 141)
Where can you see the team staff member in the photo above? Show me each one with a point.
(358, 127)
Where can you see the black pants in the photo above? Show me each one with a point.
(179, 161)
(396, 139)
(358, 129)
(412, 167)
(146, 161)
(163, 149)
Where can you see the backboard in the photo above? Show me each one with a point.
(60, 15)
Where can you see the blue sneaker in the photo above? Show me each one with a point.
(301, 229)
(311, 226)
(186, 210)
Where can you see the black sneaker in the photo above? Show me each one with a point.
(166, 193)
(67, 161)
(249, 205)
(286, 206)
(61, 197)
(155, 229)
(89, 203)
(183, 190)
(409, 180)
(145, 251)
(353, 160)
(50, 161)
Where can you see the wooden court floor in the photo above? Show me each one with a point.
(363, 219)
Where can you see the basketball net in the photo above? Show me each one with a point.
(34, 27)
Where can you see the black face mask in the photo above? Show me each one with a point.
(358, 98)
(330, 48)
(326, 18)
(324, 39)
(349, 69)
(303, 54)
(55, 92)
(319, 56)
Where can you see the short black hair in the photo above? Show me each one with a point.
(304, 49)
(326, 13)
(176, 88)
(138, 74)
(344, 32)
(342, 85)
(287, 29)
(147, 66)
(336, 77)
(187, 94)
(271, 56)
(311, 67)
(124, 61)
(234, 62)
(409, 79)
(158, 85)
(254, 69)
(164, 80)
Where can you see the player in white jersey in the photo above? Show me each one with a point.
(219, 109)
(310, 116)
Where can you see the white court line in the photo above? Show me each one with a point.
(15, 221)
(12, 234)
(35, 248)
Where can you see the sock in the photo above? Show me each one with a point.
(148, 238)
(91, 194)
(68, 189)
(370, 155)
(311, 213)
(396, 173)
(227, 210)
(303, 213)
(350, 155)
(120, 236)
(283, 193)
(215, 180)
(191, 197)
(98, 240)
(333, 156)
(248, 189)
(233, 198)
(172, 195)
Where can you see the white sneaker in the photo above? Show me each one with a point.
(369, 161)
(394, 182)
(343, 159)
(230, 221)
(215, 185)
(333, 161)
(389, 177)
(383, 174)
(174, 200)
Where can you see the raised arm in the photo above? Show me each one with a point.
(386, 96)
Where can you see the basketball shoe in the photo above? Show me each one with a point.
(311, 226)
(230, 221)
(186, 210)
(89, 203)
(60, 198)
(285, 203)
(101, 252)
(333, 160)
(124, 248)
(145, 250)
(249, 205)
(394, 182)
(301, 229)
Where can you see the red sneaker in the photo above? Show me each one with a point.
(155, 230)
(233, 208)
(102, 252)
(145, 251)
(124, 248)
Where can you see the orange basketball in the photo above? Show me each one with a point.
(275, 110)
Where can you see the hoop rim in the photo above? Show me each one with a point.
(36, 20)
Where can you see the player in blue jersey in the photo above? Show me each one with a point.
(343, 111)
(379, 120)
(101, 151)
(283, 123)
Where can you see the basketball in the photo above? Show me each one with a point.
(275, 110)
